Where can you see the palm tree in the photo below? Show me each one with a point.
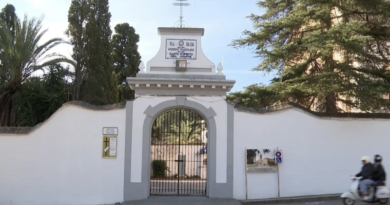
(39, 97)
(21, 55)
(167, 127)
(188, 130)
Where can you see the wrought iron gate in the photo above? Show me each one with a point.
(178, 154)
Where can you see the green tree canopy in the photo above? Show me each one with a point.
(126, 58)
(77, 18)
(90, 34)
(22, 53)
(41, 97)
(8, 15)
(256, 95)
(326, 52)
(178, 125)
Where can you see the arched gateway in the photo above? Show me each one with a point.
(178, 153)
(177, 137)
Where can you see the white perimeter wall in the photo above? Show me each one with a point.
(319, 154)
(61, 161)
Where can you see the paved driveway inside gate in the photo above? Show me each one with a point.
(186, 187)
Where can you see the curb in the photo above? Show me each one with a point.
(286, 200)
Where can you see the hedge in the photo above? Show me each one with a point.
(159, 167)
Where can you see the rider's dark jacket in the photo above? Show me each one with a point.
(379, 174)
(367, 171)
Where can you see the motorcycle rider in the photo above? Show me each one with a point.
(380, 174)
(366, 175)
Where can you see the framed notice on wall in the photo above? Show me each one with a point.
(109, 149)
(260, 161)
(181, 49)
(110, 141)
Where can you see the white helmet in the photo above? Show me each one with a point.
(366, 159)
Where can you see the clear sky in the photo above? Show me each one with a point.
(223, 21)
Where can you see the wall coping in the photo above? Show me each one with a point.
(238, 107)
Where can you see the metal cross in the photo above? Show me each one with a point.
(181, 3)
(106, 141)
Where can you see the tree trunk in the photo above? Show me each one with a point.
(6, 110)
(330, 103)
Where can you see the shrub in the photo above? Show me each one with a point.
(159, 167)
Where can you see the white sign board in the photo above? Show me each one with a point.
(110, 131)
(112, 146)
(180, 49)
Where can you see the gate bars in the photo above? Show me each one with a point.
(178, 154)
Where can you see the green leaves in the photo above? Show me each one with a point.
(22, 53)
(40, 98)
(101, 63)
(327, 52)
(257, 96)
(171, 124)
(125, 57)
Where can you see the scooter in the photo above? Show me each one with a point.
(381, 195)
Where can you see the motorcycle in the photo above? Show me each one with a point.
(381, 195)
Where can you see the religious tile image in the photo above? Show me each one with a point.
(260, 160)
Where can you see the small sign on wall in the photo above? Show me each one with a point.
(110, 131)
(109, 148)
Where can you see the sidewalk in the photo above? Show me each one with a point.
(286, 200)
(183, 200)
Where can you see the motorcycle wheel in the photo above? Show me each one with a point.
(383, 201)
(348, 201)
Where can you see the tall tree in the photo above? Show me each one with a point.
(77, 18)
(8, 15)
(21, 55)
(327, 52)
(90, 33)
(126, 58)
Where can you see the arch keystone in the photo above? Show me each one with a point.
(211, 113)
(181, 100)
(149, 111)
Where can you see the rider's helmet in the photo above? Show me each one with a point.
(377, 158)
(366, 159)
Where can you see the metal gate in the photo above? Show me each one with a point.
(178, 154)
